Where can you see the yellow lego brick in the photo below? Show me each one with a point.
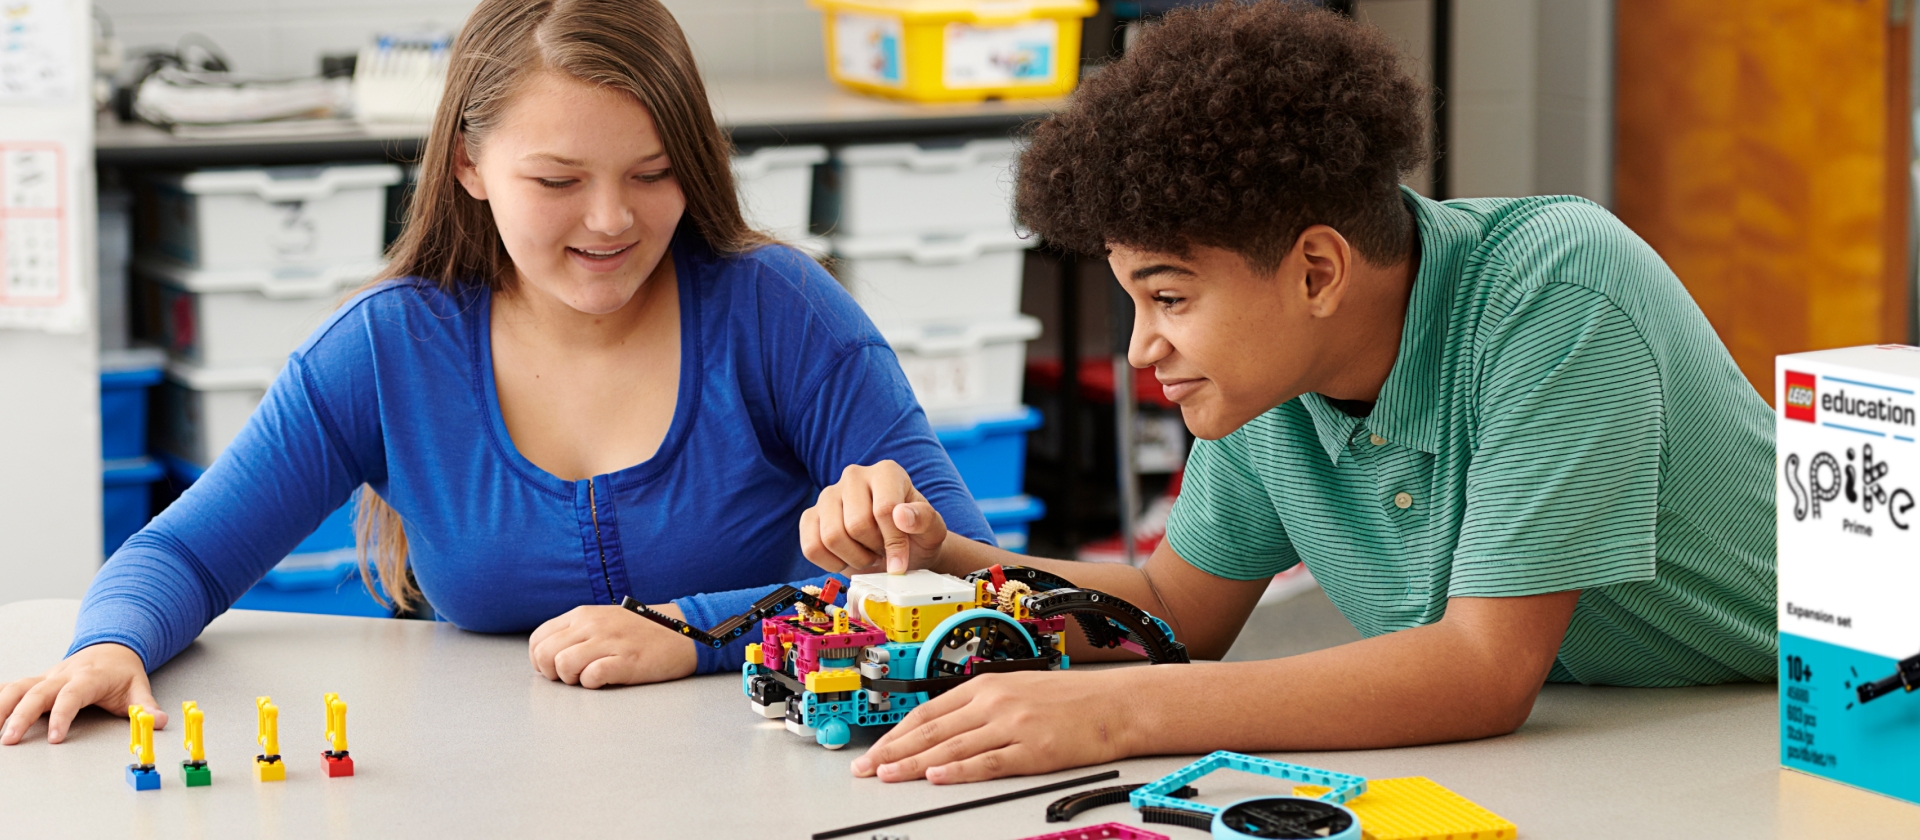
(270, 771)
(753, 653)
(1418, 808)
(833, 679)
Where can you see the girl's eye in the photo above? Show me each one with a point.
(654, 177)
(1166, 301)
(555, 183)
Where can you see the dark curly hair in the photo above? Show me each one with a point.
(1237, 126)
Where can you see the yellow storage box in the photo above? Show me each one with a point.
(955, 50)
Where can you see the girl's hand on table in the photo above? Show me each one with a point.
(107, 675)
(596, 646)
(1010, 724)
(871, 515)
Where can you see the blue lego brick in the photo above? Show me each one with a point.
(147, 779)
(1341, 786)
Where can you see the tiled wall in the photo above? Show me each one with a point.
(1531, 99)
(733, 39)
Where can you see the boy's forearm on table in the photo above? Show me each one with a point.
(1401, 689)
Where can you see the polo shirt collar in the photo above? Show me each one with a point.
(1405, 413)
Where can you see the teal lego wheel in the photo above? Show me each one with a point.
(969, 635)
(833, 734)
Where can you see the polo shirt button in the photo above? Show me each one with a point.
(1376, 440)
(1402, 501)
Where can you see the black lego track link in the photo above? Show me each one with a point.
(774, 603)
(1057, 596)
(1072, 805)
(1108, 621)
(1184, 817)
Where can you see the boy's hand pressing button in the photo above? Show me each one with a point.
(872, 514)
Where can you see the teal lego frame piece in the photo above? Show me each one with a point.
(1341, 786)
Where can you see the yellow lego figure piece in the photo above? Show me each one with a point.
(194, 739)
(267, 766)
(140, 774)
(1418, 808)
(140, 742)
(336, 761)
(194, 770)
(753, 654)
(336, 721)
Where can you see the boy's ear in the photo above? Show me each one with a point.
(466, 172)
(1325, 259)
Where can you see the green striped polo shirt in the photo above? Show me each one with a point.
(1560, 416)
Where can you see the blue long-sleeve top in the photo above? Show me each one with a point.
(784, 382)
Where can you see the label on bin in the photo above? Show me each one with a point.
(866, 48)
(944, 381)
(999, 56)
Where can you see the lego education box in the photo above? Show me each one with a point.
(1847, 471)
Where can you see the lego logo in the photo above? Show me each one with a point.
(1801, 399)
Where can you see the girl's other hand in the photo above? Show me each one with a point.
(107, 675)
(871, 514)
(596, 646)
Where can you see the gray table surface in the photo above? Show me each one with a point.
(454, 735)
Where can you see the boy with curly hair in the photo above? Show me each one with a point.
(1502, 436)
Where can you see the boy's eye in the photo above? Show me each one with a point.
(555, 183)
(1166, 300)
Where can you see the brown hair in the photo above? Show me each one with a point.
(634, 46)
(1237, 126)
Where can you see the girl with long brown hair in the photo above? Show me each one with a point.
(583, 377)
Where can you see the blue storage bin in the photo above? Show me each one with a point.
(320, 576)
(326, 582)
(991, 452)
(1010, 518)
(123, 411)
(126, 498)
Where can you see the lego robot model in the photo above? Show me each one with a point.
(902, 639)
(1906, 677)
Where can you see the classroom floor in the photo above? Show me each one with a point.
(1304, 622)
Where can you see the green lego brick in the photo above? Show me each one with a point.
(195, 776)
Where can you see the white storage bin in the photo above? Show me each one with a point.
(961, 370)
(909, 188)
(282, 216)
(775, 185)
(200, 410)
(240, 317)
(909, 279)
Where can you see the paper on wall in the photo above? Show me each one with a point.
(37, 277)
(36, 51)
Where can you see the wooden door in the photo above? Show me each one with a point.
(1762, 149)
